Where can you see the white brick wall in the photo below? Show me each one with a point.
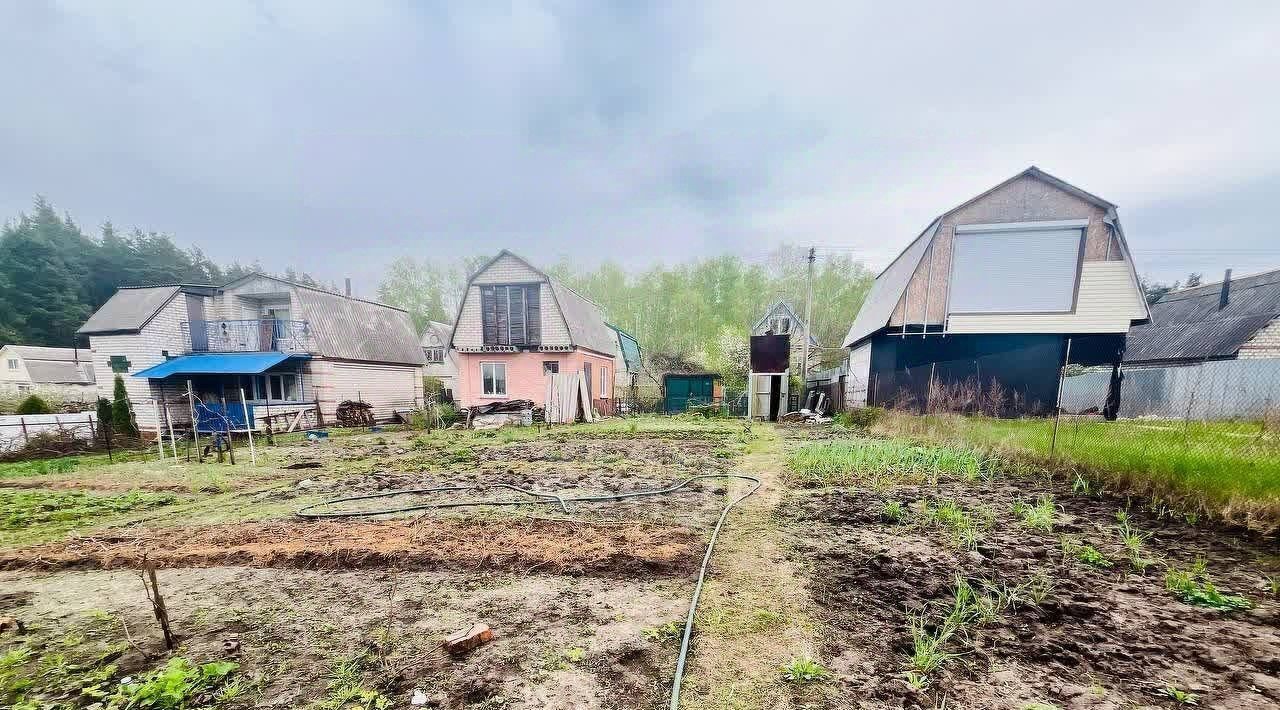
(1264, 343)
(143, 350)
(469, 332)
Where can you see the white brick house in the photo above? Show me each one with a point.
(65, 373)
(287, 345)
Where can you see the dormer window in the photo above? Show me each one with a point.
(780, 325)
(512, 315)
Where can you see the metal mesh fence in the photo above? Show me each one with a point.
(1210, 425)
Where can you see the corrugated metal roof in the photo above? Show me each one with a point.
(40, 352)
(888, 288)
(128, 310)
(1188, 325)
(630, 349)
(217, 364)
(442, 333)
(354, 329)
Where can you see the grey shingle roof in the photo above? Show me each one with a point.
(60, 372)
(587, 327)
(1188, 325)
(128, 310)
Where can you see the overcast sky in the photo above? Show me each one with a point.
(333, 137)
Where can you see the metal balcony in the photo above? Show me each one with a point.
(257, 335)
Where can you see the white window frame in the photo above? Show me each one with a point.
(23, 388)
(261, 388)
(495, 394)
(13, 363)
(434, 355)
(604, 382)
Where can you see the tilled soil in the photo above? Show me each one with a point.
(1101, 638)
(516, 544)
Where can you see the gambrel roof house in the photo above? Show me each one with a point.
(993, 290)
(516, 325)
(1237, 318)
(289, 346)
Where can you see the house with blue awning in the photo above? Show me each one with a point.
(278, 346)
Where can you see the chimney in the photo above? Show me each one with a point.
(1225, 297)
(349, 286)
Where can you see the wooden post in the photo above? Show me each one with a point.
(173, 441)
(157, 606)
(25, 439)
(155, 409)
(248, 427)
(1057, 416)
(271, 435)
(226, 424)
(195, 430)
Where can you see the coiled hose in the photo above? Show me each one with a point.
(541, 497)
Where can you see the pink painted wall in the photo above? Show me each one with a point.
(524, 375)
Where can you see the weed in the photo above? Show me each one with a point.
(1038, 516)
(917, 681)
(1036, 589)
(1081, 486)
(804, 670)
(860, 417)
(893, 511)
(840, 463)
(669, 630)
(1087, 554)
(1133, 540)
(345, 690)
(178, 684)
(575, 654)
(949, 515)
(1040, 706)
(1272, 584)
(1180, 696)
(1193, 586)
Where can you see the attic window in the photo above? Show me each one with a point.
(511, 314)
(13, 364)
(780, 326)
(434, 355)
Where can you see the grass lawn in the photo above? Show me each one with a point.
(1224, 465)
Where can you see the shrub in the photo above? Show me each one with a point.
(707, 411)
(860, 417)
(121, 415)
(34, 405)
(104, 413)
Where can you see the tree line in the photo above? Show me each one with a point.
(53, 275)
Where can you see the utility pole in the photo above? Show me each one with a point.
(808, 316)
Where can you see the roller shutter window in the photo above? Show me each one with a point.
(511, 315)
(1029, 271)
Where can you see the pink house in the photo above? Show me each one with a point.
(516, 325)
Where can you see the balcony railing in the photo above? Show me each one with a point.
(258, 335)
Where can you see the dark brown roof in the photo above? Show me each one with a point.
(1189, 325)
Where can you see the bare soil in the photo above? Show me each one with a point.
(1103, 637)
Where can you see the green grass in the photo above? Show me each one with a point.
(842, 463)
(20, 509)
(1193, 586)
(1039, 516)
(1088, 554)
(1225, 466)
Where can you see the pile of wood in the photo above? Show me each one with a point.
(354, 413)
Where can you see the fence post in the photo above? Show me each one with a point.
(1057, 413)
(226, 423)
(25, 439)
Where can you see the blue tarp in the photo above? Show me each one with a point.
(217, 364)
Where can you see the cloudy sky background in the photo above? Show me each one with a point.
(334, 137)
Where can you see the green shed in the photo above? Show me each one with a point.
(685, 389)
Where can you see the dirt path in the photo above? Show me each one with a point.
(754, 615)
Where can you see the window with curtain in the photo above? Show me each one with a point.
(493, 378)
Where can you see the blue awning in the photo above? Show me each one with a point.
(217, 364)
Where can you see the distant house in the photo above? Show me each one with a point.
(1234, 319)
(627, 365)
(66, 373)
(442, 362)
(516, 325)
(781, 319)
(992, 293)
(288, 346)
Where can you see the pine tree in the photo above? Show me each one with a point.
(104, 416)
(121, 415)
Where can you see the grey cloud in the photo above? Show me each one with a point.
(334, 137)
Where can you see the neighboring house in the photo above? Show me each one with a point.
(994, 291)
(66, 373)
(1235, 319)
(627, 366)
(781, 319)
(516, 325)
(442, 362)
(288, 346)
